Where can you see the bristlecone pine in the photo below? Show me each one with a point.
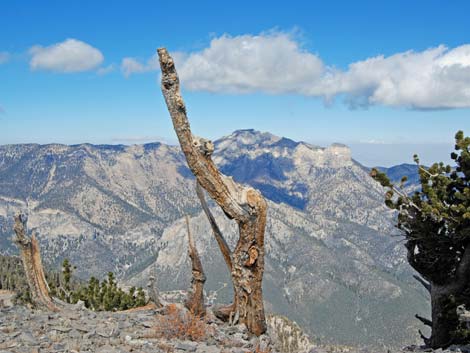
(435, 221)
(242, 203)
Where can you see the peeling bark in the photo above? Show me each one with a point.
(195, 300)
(32, 263)
(243, 204)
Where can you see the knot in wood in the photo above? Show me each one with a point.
(199, 277)
(252, 256)
(180, 102)
(463, 314)
(252, 197)
(244, 257)
(167, 83)
(205, 147)
(23, 241)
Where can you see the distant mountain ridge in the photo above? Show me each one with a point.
(397, 172)
(331, 263)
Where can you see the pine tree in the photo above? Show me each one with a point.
(97, 296)
(436, 224)
(140, 299)
(67, 271)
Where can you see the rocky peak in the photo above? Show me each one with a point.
(254, 144)
(334, 156)
(251, 139)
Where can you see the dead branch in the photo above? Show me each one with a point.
(195, 300)
(425, 284)
(224, 248)
(425, 321)
(426, 340)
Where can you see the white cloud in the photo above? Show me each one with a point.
(70, 55)
(105, 70)
(436, 78)
(432, 79)
(273, 63)
(131, 66)
(4, 57)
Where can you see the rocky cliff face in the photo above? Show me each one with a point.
(331, 262)
(98, 205)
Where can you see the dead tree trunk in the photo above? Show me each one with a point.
(195, 300)
(244, 204)
(32, 263)
(152, 286)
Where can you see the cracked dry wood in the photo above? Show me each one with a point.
(32, 263)
(243, 204)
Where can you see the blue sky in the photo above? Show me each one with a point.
(388, 78)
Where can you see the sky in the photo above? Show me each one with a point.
(388, 78)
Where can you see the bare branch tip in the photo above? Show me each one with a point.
(166, 61)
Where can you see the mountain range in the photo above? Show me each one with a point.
(334, 262)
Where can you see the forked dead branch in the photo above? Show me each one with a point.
(242, 203)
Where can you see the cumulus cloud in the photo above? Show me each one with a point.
(131, 66)
(273, 63)
(436, 78)
(4, 57)
(70, 55)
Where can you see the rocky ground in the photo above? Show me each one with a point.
(79, 330)
(150, 330)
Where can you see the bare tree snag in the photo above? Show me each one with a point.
(153, 293)
(242, 203)
(32, 263)
(425, 321)
(195, 300)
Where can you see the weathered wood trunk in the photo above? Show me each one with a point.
(247, 273)
(244, 204)
(32, 263)
(195, 300)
